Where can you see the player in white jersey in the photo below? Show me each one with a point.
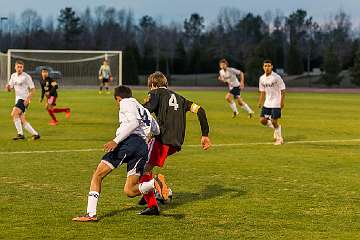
(272, 89)
(129, 146)
(229, 76)
(24, 88)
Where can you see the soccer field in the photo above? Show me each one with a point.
(242, 188)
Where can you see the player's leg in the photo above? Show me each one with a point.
(265, 117)
(244, 105)
(29, 128)
(16, 114)
(100, 173)
(107, 87)
(232, 104)
(52, 102)
(276, 115)
(101, 86)
(50, 110)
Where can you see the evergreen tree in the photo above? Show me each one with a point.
(332, 68)
(69, 25)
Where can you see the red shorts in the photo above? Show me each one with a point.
(51, 100)
(158, 152)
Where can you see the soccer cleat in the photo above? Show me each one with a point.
(35, 137)
(100, 92)
(161, 186)
(107, 92)
(18, 137)
(235, 114)
(68, 114)
(251, 114)
(142, 201)
(154, 210)
(85, 218)
(279, 141)
(53, 122)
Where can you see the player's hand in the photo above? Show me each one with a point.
(220, 78)
(110, 146)
(205, 143)
(282, 105)
(242, 85)
(26, 102)
(259, 105)
(8, 88)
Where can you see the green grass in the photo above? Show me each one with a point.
(294, 191)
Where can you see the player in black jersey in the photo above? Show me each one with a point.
(49, 88)
(170, 109)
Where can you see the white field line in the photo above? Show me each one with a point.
(214, 145)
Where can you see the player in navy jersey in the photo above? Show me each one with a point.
(170, 109)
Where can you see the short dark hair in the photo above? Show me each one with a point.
(267, 61)
(45, 69)
(224, 61)
(19, 62)
(123, 92)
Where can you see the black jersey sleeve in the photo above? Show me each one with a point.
(201, 114)
(152, 102)
(53, 87)
(42, 84)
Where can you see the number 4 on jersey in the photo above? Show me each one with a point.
(173, 102)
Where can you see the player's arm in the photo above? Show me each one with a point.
(10, 85)
(31, 92)
(155, 128)
(152, 102)
(261, 99)
(282, 88)
(128, 125)
(242, 80)
(54, 87)
(201, 114)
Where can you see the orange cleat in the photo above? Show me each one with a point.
(161, 186)
(53, 123)
(85, 218)
(68, 114)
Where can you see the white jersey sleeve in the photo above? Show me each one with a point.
(234, 71)
(11, 82)
(281, 83)
(155, 129)
(129, 120)
(29, 81)
(261, 85)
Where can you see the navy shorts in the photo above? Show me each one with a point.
(133, 151)
(271, 113)
(235, 92)
(20, 104)
(105, 80)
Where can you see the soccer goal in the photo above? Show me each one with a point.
(70, 67)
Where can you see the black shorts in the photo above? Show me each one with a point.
(271, 113)
(133, 151)
(235, 92)
(105, 80)
(20, 104)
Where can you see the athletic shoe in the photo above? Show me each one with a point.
(35, 137)
(279, 141)
(85, 218)
(107, 92)
(235, 114)
(68, 114)
(154, 210)
(53, 122)
(18, 137)
(142, 201)
(100, 92)
(161, 186)
(251, 114)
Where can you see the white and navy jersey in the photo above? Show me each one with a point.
(135, 119)
(230, 76)
(22, 84)
(272, 85)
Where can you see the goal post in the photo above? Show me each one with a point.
(69, 67)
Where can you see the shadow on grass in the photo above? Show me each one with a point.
(209, 192)
(181, 198)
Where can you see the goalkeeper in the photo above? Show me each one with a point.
(105, 77)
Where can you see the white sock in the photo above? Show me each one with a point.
(269, 124)
(92, 203)
(146, 187)
(233, 107)
(18, 126)
(278, 132)
(247, 108)
(30, 129)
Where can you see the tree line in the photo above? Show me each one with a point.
(295, 43)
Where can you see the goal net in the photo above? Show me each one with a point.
(70, 68)
(3, 69)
